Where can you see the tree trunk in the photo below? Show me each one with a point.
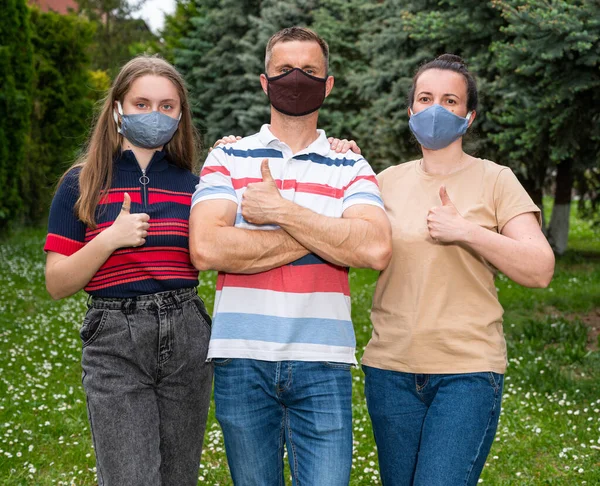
(536, 194)
(558, 230)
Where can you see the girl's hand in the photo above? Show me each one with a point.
(128, 229)
(342, 146)
(225, 140)
(445, 223)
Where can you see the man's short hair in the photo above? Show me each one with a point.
(296, 34)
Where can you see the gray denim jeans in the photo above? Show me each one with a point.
(148, 387)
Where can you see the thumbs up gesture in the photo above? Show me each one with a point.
(262, 202)
(129, 229)
(445, 223)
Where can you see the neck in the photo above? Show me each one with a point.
(297, 132)
(142, 155)
(445, 161)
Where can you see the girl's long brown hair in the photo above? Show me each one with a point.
(96, 161)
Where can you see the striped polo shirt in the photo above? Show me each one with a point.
(299, 311)
(163, 262)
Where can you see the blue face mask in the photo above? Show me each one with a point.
(436, 127)
(148, 130)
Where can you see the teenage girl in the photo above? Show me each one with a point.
(118, 228)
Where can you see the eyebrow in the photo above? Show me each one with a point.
(141, 98)
(307, 66)
(430, 94)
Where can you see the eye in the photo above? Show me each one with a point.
(310, 71)
(451, 101)
(167, 107)
(424, 99)
(285, 70)
(141, 106)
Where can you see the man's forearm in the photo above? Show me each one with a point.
(351, 242)
(236, 250)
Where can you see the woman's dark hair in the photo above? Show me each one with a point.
(448, 62)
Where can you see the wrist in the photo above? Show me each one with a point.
(285, 208)
(471, 233)
(107, 240)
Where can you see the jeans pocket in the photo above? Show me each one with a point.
(198, 306)
(221, 361)
(337, 365)
(92, 325)
(495, 380)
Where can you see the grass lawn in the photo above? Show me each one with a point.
(549, 431)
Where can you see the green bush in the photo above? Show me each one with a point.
(63, 94)
(15, 103)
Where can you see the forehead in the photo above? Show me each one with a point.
(442, 81)
(153, 87)
(297, 53)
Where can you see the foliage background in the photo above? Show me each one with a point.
(537, 65)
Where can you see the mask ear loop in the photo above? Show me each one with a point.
(116, 117)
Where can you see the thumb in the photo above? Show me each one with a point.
(126, 203)
(266, 172)
(444, 197)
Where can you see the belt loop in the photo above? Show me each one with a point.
(178, 298)
(128, 306)
(89, 301)
(158, 302)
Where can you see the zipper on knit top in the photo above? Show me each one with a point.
(144, 180)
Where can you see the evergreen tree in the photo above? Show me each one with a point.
(455, 27)
(177, 26)
(341, 23)
(119, 36)
(393, 57)
(15, 104)
(210, 64)
(550, 80)
(253, 109)
(63, 103)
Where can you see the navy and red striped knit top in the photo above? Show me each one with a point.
(163, 262)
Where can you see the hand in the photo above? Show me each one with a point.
(342, 146)
(445, 223)
(225, 140)
(261, 202)
(128, 229)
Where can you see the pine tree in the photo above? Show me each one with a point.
(550, 81)
(383, 86)
(209, 60)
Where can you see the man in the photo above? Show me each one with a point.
(282, 217)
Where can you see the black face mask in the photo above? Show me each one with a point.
(296, 93)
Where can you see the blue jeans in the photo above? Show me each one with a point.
(262, 405)
(432, 430)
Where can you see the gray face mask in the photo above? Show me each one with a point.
(148, 130)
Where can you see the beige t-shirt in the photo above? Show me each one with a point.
(435, 308)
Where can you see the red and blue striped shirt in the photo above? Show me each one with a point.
(163, 262)
(300, 311)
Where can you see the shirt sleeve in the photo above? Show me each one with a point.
(363, 187)
(66, 233)
(215, 180)
(511, 199)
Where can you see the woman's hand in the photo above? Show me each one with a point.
(337, 145)
(128, 229)
(445, 223)
(342, 146)
(225, 140)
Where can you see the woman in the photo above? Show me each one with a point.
(118, 228)
(435, 363)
